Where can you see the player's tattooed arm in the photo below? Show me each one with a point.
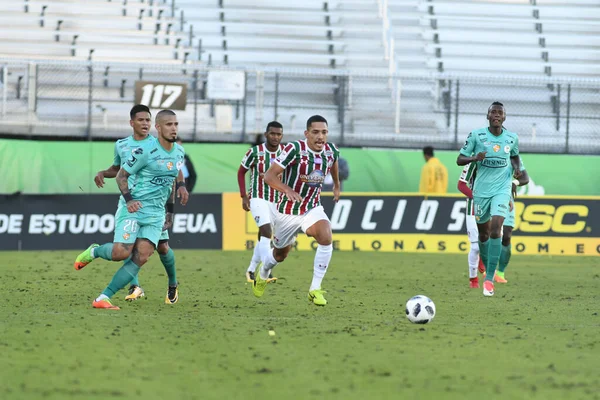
(110, 172)
(170, 208)
(121, 178)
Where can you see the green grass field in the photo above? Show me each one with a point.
(537, 338)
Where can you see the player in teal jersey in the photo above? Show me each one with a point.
(262, 199)
(509, 224)
(123, 150)
(304, 165)
(141, 218)
(497, 154)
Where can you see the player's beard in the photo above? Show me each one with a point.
(170, 140)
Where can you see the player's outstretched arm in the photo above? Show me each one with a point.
(110, 172)
(271, 179)
(121, 178)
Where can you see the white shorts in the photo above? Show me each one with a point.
(262, 211)
(286, 227)
(472, 230)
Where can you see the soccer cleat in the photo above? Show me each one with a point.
(271, 278)
(135, 292)
(474, 283)
(316, 297)
(172, 295)
(85, 258)
(481, 267)
(488, 288)
(258, 285)
(499, 277)
(249, 276)
(105, 304)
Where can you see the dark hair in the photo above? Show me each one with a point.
(315, 118)
(138, 108)
(273, 124)
(428, 151)
(496, 103)
(163, 113)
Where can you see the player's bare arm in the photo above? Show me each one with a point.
(523, 180)
(242, 186)
(516, 164)
(170, 206)
(182, 193)
(463, 160)
(335, 174)
(271, 179)
(110, 172)
(121, 178)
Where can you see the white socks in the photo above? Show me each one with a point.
(473, 260)
(322, 259)
(102, 297)
(268, 264)
(262, 247)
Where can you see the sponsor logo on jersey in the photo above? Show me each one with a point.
(179, 165)
(314, 179)
(496, 148)
(161, 180)
(507, 149)
(169, 165)
(494, 162)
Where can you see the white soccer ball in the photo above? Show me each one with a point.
(420, 309)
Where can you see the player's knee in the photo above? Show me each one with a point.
(121, 251)
(475, 247)
(163, 248)
(280, 254)
(507, 235)
(484, 236)
(265, 231)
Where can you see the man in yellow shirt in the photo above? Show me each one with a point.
(434, 175)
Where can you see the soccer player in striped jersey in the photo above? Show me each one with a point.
(304, 164)
(261, 199)
(465, 186)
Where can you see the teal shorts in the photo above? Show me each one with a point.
(510, 220)
(487, 207)
(143, 225)
(164, 236)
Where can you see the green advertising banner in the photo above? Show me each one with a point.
(42, 167)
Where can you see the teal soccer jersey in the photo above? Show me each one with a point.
(125, 147)
(494, 173)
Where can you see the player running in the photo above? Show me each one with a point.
(496, 149)
(123, 150)
(140, 218)
(305, 164)
(262, 198)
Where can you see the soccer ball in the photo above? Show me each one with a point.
(420, 309)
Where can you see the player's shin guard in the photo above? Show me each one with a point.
(504, 257)
(495, 247)
(473, 260)
(104, 251)
(322, 259)
(269, 263)
(121, 278)
(168, 261)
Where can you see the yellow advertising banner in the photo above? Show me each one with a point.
(544, 226)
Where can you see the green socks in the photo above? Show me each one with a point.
(483, 251)
(121, 278)
(495, 248)
(168, 260)
(104, 251)
(504, 258)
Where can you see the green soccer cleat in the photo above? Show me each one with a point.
(316, 297)
(258, 285)
(85, 258)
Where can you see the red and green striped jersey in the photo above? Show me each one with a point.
(258, 160)
(468, 176)
(305, 171)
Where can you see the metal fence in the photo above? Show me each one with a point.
(91, 100)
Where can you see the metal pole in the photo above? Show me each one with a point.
(4, 89)
(342, 107)
(245, 107)
(568, 116)
(195, 87)
(558, 108)
(449, 104)
(172, 8)
(89, 116)
(397, 100)
(456, 114)
(276, 95)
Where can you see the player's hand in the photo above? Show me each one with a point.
(514, 191)
(133, 206)
(517, 174)
(99, 179)
(246, 203)
(480, 156)
(293, 196)
(336, 194)
(183, 195)
(168, 221)
(511, 205)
